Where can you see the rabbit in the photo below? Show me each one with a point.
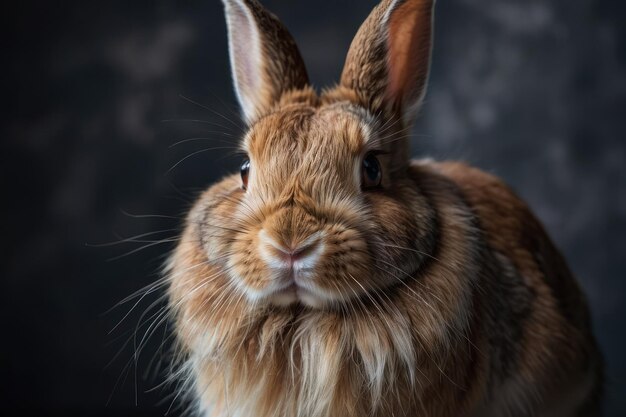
(333, 276)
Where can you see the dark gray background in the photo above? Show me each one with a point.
(532, 90)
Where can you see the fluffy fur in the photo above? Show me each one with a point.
(437, 293)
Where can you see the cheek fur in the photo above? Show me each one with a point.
(244, 266)
(367, 246)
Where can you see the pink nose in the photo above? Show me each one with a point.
(294, 254)
(303, 254)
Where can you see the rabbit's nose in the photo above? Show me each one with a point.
(303, 254)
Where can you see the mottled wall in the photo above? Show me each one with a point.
(532, 90)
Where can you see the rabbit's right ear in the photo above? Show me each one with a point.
(264, 58)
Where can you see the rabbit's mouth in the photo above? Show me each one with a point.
(294, 294)
(296, 288)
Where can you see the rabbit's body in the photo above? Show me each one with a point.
(519, 343)
(335, 277)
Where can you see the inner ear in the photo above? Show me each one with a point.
(409, 47)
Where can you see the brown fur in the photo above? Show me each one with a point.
(436, 294)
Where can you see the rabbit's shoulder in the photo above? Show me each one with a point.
(511, 229)
(556, 336)
(508, 223)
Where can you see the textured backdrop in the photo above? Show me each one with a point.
(98, 95)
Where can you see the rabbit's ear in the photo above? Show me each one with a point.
(264, 58)
(389, 59)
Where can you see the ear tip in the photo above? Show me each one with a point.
(229, 3)
(246, 3)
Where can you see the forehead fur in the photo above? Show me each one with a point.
(298, 124)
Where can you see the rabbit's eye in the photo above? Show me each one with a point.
(245, 171)
(370, 172)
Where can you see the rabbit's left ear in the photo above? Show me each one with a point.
(264, 58)
(389, 60)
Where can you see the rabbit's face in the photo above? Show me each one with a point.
(325, 210)
(319, 215)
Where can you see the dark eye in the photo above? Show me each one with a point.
(245, 171)
(371, 173)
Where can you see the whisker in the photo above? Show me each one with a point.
(196, 121)
(131, 239)
(196, 153)
(421, 253)
(149, 216)
(144, 247)
(211, 110)
(195, 139)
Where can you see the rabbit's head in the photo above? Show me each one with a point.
(322, 211)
